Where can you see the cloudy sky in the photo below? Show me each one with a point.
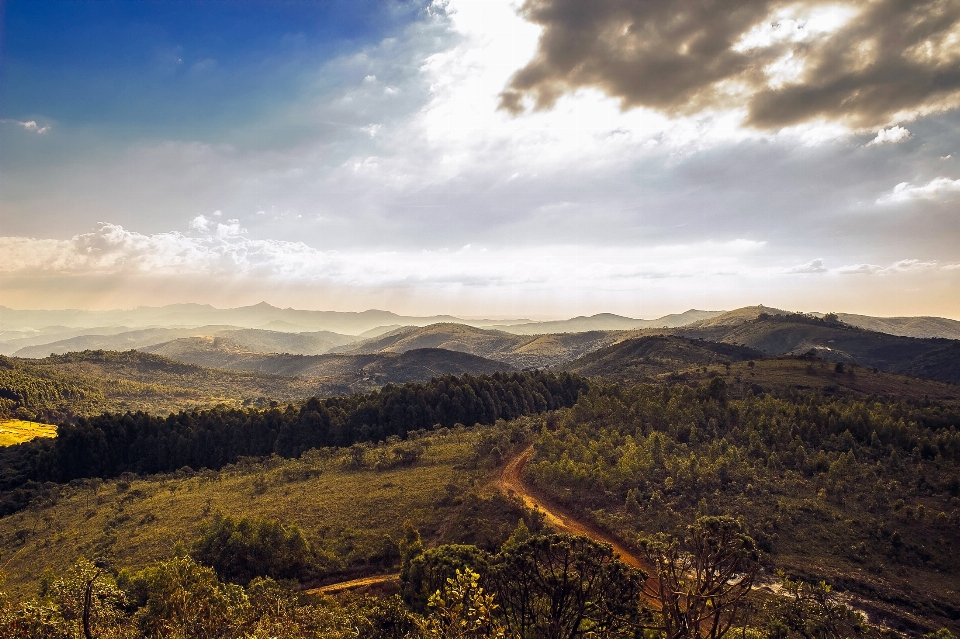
(497, 158)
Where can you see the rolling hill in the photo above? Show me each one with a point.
(779, 333)
(521, 351)
(905, 326)
(87, 383)
(642, 357)
(346, 372)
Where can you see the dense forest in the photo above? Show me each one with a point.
(114, 443)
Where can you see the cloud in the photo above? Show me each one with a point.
(230, 229)
(890, 136)
(30, 125)
(935, 189)
(112, 249)
(860, 64)
(200, 223)
(901, 266)
(814, 266)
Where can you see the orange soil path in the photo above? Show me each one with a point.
(329, 589)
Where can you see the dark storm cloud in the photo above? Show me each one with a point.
(895, 58)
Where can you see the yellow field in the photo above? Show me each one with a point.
(14, 431)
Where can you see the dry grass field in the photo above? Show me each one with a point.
(15, 431)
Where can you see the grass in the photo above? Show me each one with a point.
(16, 431)
(354, 517)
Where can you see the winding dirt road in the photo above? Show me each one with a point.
(511, 482)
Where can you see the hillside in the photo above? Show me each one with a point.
(90, 382)
(521, 351)
(642, 357)
(121, 341)
(905, 326)
(331, 373)
(305, 343)
(795, 334)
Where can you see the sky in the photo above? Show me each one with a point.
(483, 158)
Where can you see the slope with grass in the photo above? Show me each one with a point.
(350, 508)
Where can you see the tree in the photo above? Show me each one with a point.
(240, 550)
(181, 598)
(701, 580)
(462, 610)
(564, 587)
(431, 570)
(813, 612)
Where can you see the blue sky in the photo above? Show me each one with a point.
(180, 69)
(481, 157)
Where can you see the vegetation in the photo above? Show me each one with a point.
(348, 506)
(111, 444)
(860, 492)
(755, 504)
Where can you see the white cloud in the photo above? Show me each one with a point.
(813, 266)
(30, 125)
(935, 189)
(890, 136)
(230, 229)
(200, 223)
(901, 266)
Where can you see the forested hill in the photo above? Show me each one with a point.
(114, 443)
(780, 333)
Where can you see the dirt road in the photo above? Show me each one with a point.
(511, 482)
(330, 589)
